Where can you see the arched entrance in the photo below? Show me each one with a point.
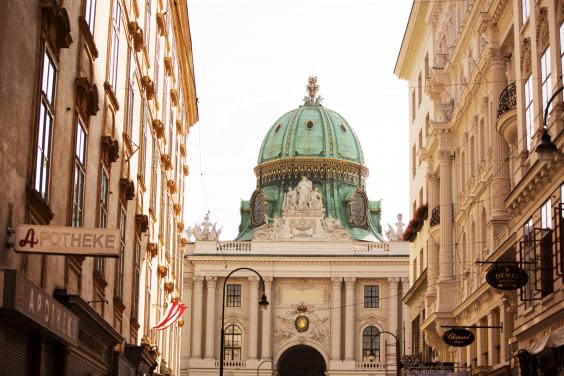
(301, 360)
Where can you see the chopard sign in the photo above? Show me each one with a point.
(458, 337)
(67, 240)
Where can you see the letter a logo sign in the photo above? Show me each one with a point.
(29, 239)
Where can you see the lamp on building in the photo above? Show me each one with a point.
(263, 303)
(546, 148)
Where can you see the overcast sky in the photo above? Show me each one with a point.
(252, 60)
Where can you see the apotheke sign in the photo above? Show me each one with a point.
(67, 240)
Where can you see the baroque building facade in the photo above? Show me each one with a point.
(98, 98)
(309, 230)
(480, 75)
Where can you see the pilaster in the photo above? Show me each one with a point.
(197, 317)
(211, 282)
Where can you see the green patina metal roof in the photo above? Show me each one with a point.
(313, 131)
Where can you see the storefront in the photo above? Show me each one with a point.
(36, 331)
(544, 353)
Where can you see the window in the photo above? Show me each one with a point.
(412, 106)
(233, 342)
(427, 73)
(525, 9)
(120, 263)
(529, 256)
(103, 213)
(136, 273)
(114, 53)
(45, 126)
(79, 174)
(233, 295)
(529, 109)
(370, 344)
(415, 337)
(148, 24)
(90, 14)
(413, 160)
(130, 94)
(546, 257)
(421, 261)
(154, 175)
(147, 306)
(157, 62)
(546, 85)
(143, 141)
(562, 51)
(371, 296)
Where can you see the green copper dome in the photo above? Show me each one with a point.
(316, 143)
(311, 131)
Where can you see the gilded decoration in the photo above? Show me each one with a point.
(358, 209)
(315, 168)
(258, 214)
(309, 324)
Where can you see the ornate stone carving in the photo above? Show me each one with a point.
(55, 22)
(542, 29)
(86, 97)
(205, 230)
(141, 223)
(317, 331)
(258, 209)
(302, 218)
(110, 150)
(358, 209)
(127, 189)
(397, 234)
(526, 57)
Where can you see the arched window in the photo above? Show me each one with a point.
(232, 343)
(371, 344)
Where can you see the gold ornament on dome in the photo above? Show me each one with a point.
(358, 209)
(258, 215)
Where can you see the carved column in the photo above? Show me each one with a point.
(197, 317)
(492, 333)
(500, 182)
(350, 319)
(253, 317)
(506, 331)
(446, 265)
(393, 316)
(433, 247)
(481, 346)
(266, 320)
(210, 316)
(336, 318)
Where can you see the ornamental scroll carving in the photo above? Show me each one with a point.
(317, 331)
(258, 209)
(302, 218)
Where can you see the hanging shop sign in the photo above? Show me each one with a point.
(62, 240)
(458, 337)
(507, 277)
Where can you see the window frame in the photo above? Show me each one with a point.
(136, 278)
(120, 264)
(529, 111)
(79, 173)
(371, 296)
(525, 11)
(90, 14)
(546, 73)
(233, 295)
(115, 28)
(103, 199)
(373, 334)
(233, 332)
(130, 99)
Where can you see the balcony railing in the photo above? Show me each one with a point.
(234, 246)
(370, 365)
(435, 216)
(507, 100)
(231, 364)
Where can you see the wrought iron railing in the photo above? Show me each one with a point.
(507, 99)
(435, 216)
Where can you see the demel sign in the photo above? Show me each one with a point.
(61, 240)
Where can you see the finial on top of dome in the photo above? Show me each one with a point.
(312, 89)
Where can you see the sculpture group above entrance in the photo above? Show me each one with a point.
(302, 218)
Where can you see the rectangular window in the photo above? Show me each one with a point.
(154, 176)
(148, 285)
(120, 263)
(413, 160)
(234, 295)
(562, 51)
(529, 256)
(546, 85)
(529, 110)
(371, 296)
(546, 256)
(130, 93)
(148, 25)
(525, 9)
(157, 63)
(114, 52)
(412, 106)
(143, 141)
(546, 216)
(90, 14)
(79, 175)
(419, 90)
(136, 274)
(45, 126)
(103, 212)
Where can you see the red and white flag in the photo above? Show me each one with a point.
(173, 313)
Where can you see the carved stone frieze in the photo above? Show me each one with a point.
(542, 29)
(526, 57)
(317, 331)
(55, 23)
(110, 150)
(86, 97)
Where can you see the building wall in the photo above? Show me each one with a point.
(111, 111)
(480, 160)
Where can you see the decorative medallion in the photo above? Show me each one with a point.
(302, 323)
(258, 208)
(358, 206)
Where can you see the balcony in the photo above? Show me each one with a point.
(507, 114)
(370, 365)
(231, 364)
(434, 228)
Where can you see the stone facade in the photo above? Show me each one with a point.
(480, 75)
(98, 98)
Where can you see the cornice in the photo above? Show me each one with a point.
(264, 259)
(418, 287)
(414, 33)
